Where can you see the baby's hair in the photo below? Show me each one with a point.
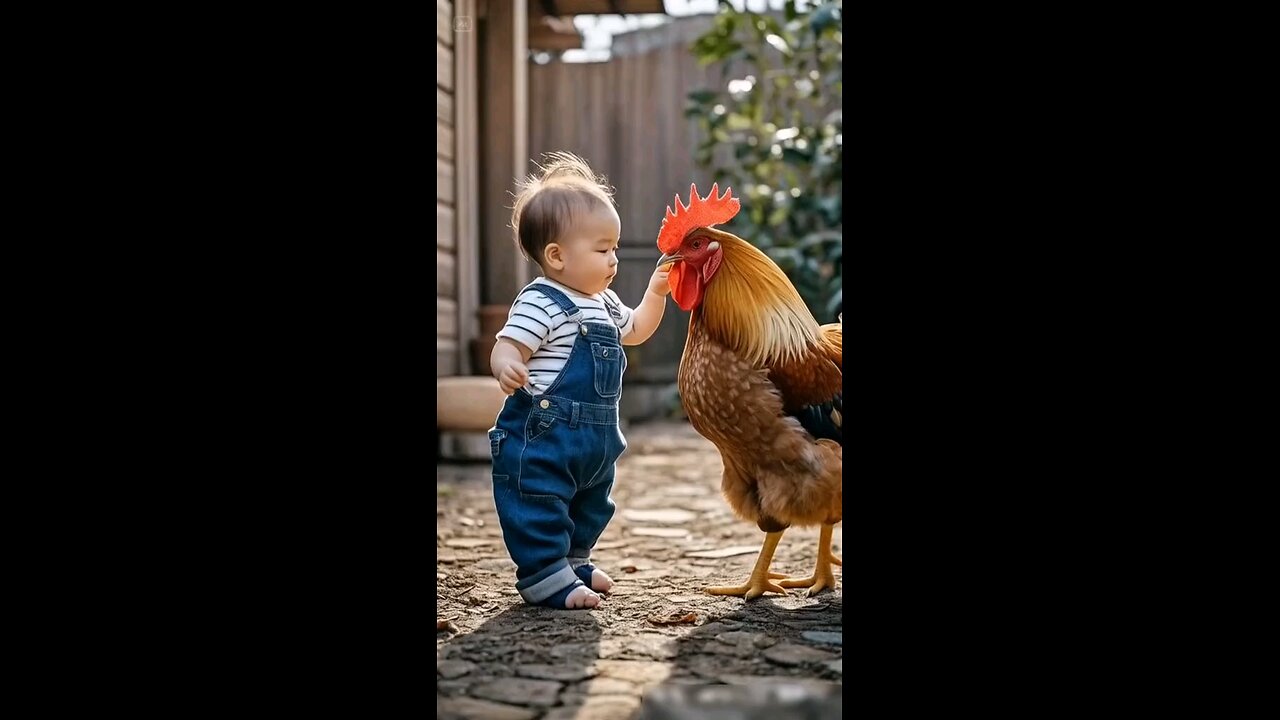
(547, 202)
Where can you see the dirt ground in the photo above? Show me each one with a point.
(672, 536)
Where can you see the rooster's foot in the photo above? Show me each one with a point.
(754, 588)
(818, 582)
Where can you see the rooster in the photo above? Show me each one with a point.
(760, 379)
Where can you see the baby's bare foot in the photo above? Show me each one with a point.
(581, 597)
(601, 582)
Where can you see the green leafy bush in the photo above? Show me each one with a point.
(772, 131)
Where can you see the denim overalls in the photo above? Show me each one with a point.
(553, 457)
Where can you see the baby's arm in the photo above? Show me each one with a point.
(648, 315)
(526, 329)
(509, 363)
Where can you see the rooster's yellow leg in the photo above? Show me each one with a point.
(759, 583)
(822, 576)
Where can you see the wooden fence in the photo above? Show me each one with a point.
(626, 118)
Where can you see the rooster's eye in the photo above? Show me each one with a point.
(696, 244)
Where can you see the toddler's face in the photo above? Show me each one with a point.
(590, 250)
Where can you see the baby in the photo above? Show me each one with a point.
(560, 360)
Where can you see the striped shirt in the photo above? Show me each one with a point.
(539, 324)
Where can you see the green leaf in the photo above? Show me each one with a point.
(702, 96)
(735, 145)
(827, 16)
(836, 255)
(831, 208)
(712, 48)
(796, 156)
(771, 25)
(819, 239)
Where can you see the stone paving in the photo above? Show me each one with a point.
(673, 535)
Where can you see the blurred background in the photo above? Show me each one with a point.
(654, 94)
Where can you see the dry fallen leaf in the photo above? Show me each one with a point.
(629, 568)
(673, 618)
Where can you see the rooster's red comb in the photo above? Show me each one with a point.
(701, 212)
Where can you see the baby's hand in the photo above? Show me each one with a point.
(513, 377)
(658, 283)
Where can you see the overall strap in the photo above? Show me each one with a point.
(569, 307)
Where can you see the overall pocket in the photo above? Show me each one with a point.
(496, 437)
(538, 425)
(607, 360)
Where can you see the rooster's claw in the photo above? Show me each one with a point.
(816, 584)
(749, 590)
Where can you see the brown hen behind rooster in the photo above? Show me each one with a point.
(762, 381)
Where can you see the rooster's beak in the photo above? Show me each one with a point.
(669, 257)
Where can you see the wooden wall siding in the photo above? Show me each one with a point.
(446, 357)
(444, 22)
(444, 66)
(504, 109)
(444, 105)
(626, 117)
(445, 234)
(444, 179)
(444, 139)
(445, 274)
(446, 336)
(446, 242)
(446, 318)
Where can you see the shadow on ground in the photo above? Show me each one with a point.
(765, 660)
(523, 656)
(764, 641)
(774, 657)
(768, 658)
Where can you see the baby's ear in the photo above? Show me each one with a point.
(553, 257)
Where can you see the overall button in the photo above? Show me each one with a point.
(544, 404)
(605, 353)
(584, 329)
